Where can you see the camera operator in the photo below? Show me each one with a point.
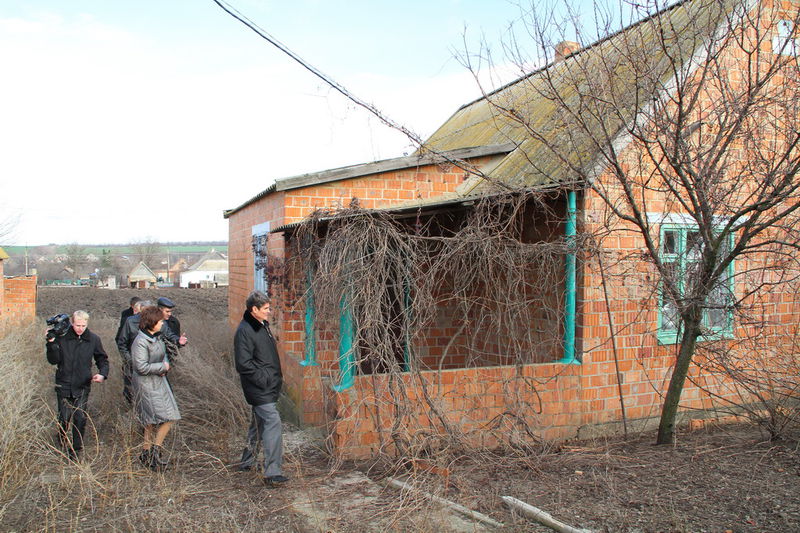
(72, 351)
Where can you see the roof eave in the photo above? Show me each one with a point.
(376, 167)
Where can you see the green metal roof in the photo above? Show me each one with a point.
(622, 73)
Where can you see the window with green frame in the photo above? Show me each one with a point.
(680, 251)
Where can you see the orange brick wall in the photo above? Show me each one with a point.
(482, 406)
(240, 252)
(17, 300)
(377, 191)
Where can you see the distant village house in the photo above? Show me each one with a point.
(209, 271)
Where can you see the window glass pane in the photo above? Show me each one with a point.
(720, 301)
(725, 247)
(784, 41)
(716, 318)
(670, 242)
(784, 28)
(669, 310)
(694, 245)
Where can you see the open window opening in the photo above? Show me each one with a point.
(437, 288)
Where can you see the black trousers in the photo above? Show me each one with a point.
(72, 416)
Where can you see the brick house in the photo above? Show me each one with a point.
(602, 357)
(17, 298)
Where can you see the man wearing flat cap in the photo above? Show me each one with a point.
(171, 321)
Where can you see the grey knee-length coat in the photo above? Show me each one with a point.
(153, 396)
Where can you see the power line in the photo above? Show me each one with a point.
(413, 137)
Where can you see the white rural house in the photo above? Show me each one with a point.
(211, 270)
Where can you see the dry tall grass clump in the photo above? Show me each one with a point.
(24, 416)
(206, 384)
(108, 489)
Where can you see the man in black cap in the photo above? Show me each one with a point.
(171, 321)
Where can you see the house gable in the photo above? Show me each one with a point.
(141, 272)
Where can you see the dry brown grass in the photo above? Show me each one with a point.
(22, 411)
(107, 489)
(616, 485)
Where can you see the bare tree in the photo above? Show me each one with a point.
(75, 258)
(149, 251)
(685, 128)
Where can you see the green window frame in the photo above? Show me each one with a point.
(679, 251)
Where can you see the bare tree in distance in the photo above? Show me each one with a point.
(148, 250)
(75, 257)
(690, 119)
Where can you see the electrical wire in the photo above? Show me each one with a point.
(413, 137)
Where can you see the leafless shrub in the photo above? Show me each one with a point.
(494, 280)
(207, 386)
(23, 416)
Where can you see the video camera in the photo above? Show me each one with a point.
(59, 325)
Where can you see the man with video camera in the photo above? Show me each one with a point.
(72, 349)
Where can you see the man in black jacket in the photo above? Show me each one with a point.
(171, 321)
(259, 368)
(127, 313)
(73, 353)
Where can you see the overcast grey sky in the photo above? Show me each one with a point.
(124, 121)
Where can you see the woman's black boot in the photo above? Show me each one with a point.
(159, 463)
(146, 458)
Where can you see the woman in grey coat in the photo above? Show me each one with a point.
(155, 404)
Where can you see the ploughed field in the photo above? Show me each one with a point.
(211, 303)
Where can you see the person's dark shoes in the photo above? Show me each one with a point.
(243, 467)
(275, 481)
(146, 458)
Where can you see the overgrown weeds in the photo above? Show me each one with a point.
(23, 413)
(107, 489)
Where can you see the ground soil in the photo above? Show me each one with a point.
(718, 479)
(110, 303)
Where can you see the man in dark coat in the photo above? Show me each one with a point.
(259, 368)
(167, 307)
(127, 313)
(73, 353)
